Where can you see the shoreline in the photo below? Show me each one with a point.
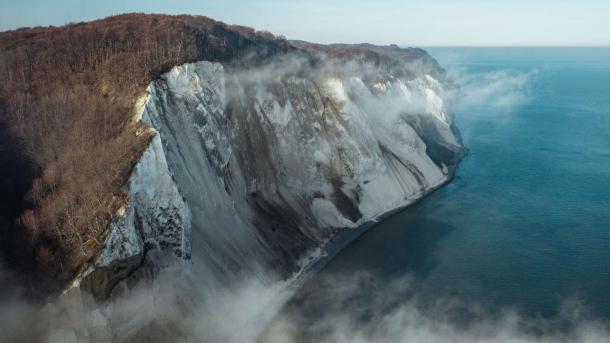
(347, 236)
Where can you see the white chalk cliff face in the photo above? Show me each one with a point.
(253, 171)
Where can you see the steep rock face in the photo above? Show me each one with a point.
(150, 232)
(273, 164)
(253, 171)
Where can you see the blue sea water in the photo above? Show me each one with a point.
(525, 224)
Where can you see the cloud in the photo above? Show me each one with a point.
(337, 308)
(362, 308)
(176, 307)
(501, 90)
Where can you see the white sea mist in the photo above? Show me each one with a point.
(393, 312)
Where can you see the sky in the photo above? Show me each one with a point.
(406, 23)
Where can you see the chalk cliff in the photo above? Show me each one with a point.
(255, 172)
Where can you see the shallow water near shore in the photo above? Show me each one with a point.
(525, 224)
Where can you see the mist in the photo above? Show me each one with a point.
(364, 308)
(499, 90)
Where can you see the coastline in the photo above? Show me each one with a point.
(347, 236)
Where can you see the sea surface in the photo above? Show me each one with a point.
(525, 224)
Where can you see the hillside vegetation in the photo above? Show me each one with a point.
(67, 138)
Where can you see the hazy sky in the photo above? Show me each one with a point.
(416, 23)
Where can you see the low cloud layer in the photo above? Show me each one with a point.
(362, 308)
(337, 308)
(173, 308)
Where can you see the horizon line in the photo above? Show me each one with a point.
(228, 22)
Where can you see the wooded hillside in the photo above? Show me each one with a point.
(67, 138)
